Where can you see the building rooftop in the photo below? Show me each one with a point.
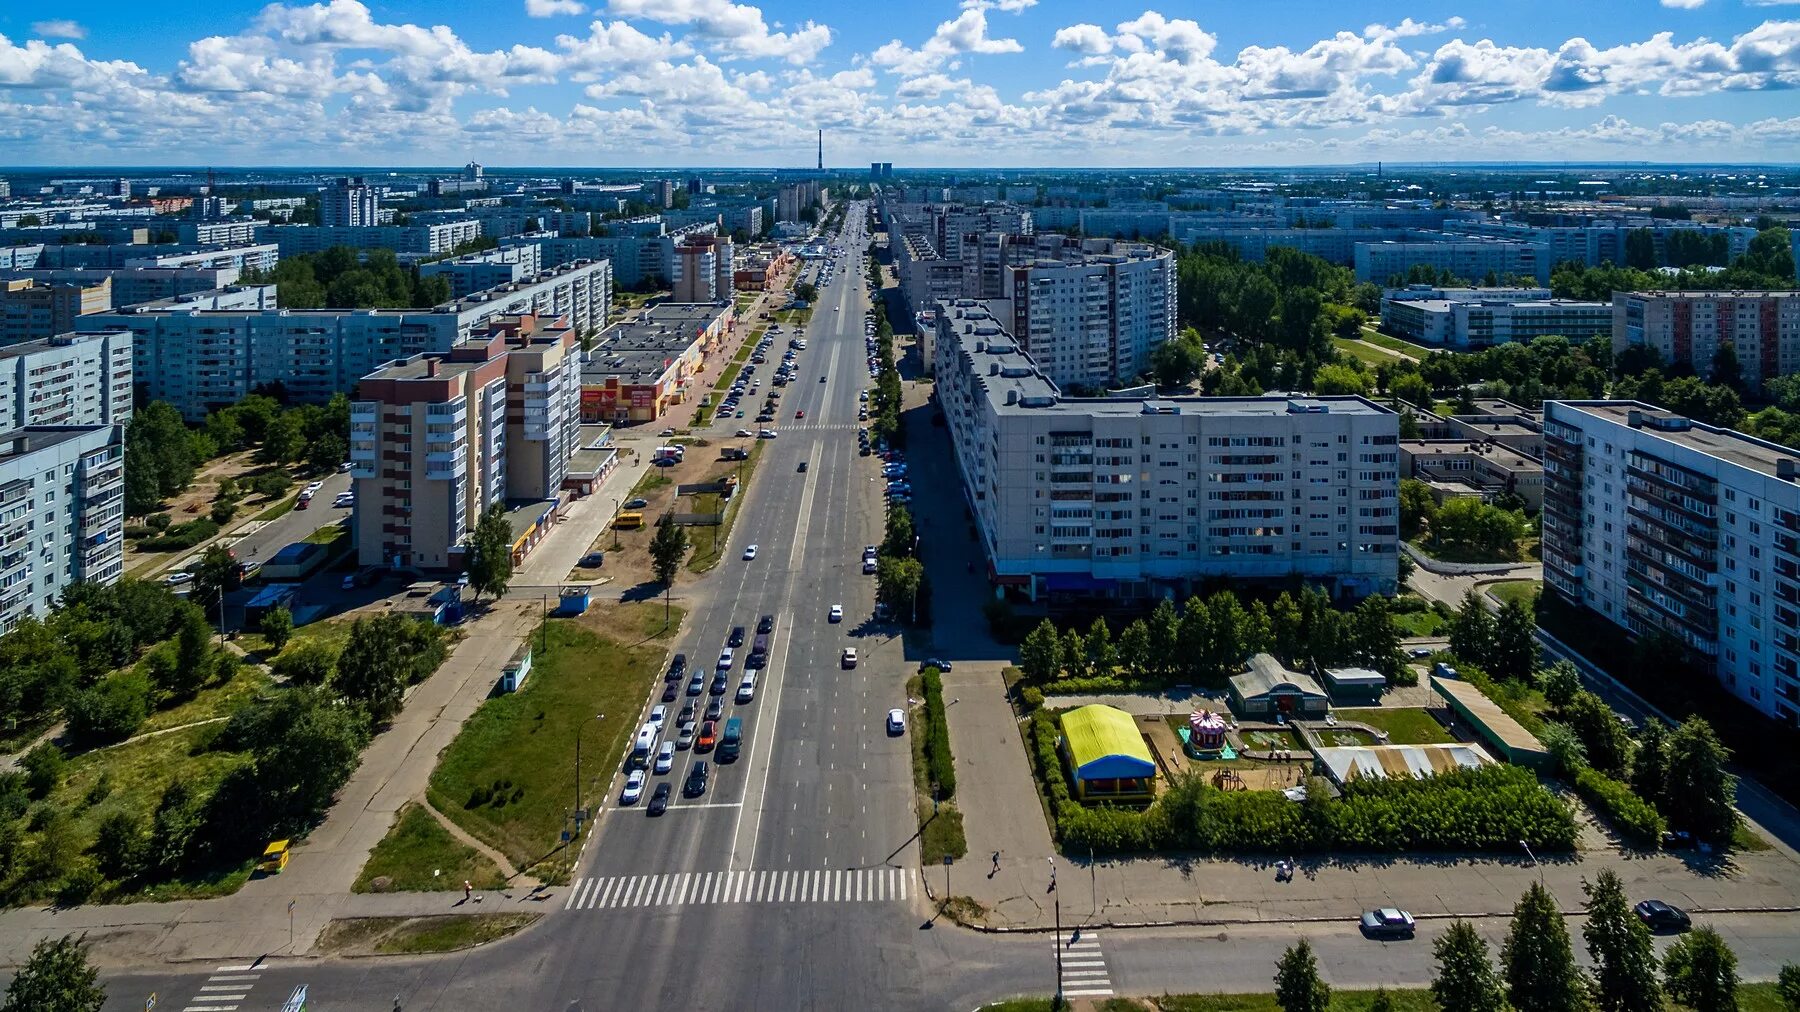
(1739, 294)
(1498, 454)
(1480, 708)
(1728, 445)
(31, 439)
(1266, 674)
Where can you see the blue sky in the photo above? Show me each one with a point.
(921, 82)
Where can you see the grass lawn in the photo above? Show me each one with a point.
(328, 534)
(1523, 591)
(403, 935)
(652, 480)
(508, 778)
(749, 348)
(1456, 553)
(1362, 352)
(280, 509)
(1404, 726)
(212, 702)
(1391, 343)
(419, 855)
(725, 378)
(1419, 623)
(333, 633)
(702, 559)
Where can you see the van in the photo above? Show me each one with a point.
(629, 521)
(746, 690)
(644, 746)
(731, 741)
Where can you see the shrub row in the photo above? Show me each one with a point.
(1636, 819)
(1089, 685)
(182, 537)
(938, 762)
(1491, 809)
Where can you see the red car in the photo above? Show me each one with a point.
(799, 414)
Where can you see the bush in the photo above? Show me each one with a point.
(305, 664)
(938, 761)
(43, 767)
(159, 522)
(111, 710)
(1088, 686)
(180, 538)
(1032, 697)
(222, 512)
(1635, 819)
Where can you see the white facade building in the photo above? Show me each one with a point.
(350, 202)
(62, 514)
(1661, 524)
(69, 379)
(1134, 497)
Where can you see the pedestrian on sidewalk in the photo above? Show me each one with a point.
(468, 889)
(996, 870)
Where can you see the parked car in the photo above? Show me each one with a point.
(1658, 915)
(636, 504)
(697, 684)
(934, 662)
(1388, 922)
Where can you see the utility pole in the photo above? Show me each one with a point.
(615, 523)
(578, 729)
(1534, 861)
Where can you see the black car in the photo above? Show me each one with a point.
(696, 780)
(697, 684)
(1660, 916)
(679, 663)
(659, 801)
(933, 662)
(736, 639)
(802, 468)
(671, 691)
(715, 710)
(765, 624)
(719, 683)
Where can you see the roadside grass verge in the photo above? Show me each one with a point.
(1760, 997)
(418, 855)
(652, 480)
(1391, 343)
(367, 936)
(940, 824)
(333, 633)
(1523, 591)
(700, 560)
(508, 778)
(1404, 726)
(725, 378)
(1419, 623)
(210, 703)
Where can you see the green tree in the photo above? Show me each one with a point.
(119, 845)
(1699, 795)
(490, 563)
(1608, 745)
(1561, 682)
(1700, 972)
(1298, 987)
(1175, 363)
(278, 627)
(374, 666)
(1465, 978)
(1414, 389)
(1374, 638)
(1787, 986)
(898, 583)
(1165, 637)
(1623, 952)
(1472, 630)
(56, 978)
(1134, 648)
(43, 767)
(308, 663)
(900, 535)
(1538, 960)
(1417, 507)
(284, 442)
(214, 575)
(178, 820)
(1074, 654)
(1335, 379)
(1564, 746)
(1103, 657)
(1382, 1002)
(1515, 642)
(1650, 763)
(1040, 655)
(667, 549)
(193, 652)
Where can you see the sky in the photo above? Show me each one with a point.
(921, 83)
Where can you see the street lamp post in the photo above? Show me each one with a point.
(615, 523)
(1058, 1003)
(578, 729)
(1535, 863)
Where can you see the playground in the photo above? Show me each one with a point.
(1228, 768)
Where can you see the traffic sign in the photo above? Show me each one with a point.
(948, 859)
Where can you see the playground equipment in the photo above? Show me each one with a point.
(1206, 734)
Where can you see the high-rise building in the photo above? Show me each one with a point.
(1089, 311)
(350, 202)
(33, 311)
(435, 237)
(69, 379)
(1133, 497)
(62, 514)
(1688, 329)
(473, 172)
(1666, 526)
(437, 439)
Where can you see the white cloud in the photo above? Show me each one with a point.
(1407, 28)
(737, 31)
(59, 28)
(1005, 6)
(553, 8)
(966, 33)
(1685, 5)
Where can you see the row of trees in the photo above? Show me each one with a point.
(1290, 299)
(900, 579)
(1537, 971)
(344, 277)
(1208, 639)
(162, 453)
(1464, 526)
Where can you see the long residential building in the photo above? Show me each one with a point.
(441, 237)
(1473, 318)
(487, 269)
(62, 514)
(1688, 328)
(1468, 258)
(132, 285)
(1667, 526)
(199, 360)
(69, 379)
(436, 439)
(1135, 496)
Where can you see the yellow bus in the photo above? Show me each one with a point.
(629, 521)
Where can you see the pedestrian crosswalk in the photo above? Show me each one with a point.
(225, 990)
(1084, 972)
(819, 885)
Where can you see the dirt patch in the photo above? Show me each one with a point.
(373, 936)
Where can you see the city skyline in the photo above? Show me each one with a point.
(626, 84)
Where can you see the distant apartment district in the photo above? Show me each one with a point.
(1036, 308)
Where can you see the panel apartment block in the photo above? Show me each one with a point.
(1688, 328)
(1131, 497)
(62, 514)
(70, 379)
(1664, 525)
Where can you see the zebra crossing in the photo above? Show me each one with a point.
(224, 990)
(1084, 971)
(819, 885)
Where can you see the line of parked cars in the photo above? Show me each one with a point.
(697, 729)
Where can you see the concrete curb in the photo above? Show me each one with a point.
(988, 929)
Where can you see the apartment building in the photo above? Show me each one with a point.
(1688, 328)
(1133, 497)
(69, 379)
(350, 202)
(200, 359)
(487, 269)
(438, 237)
(131, 285)
(1464, 257)
(1661, 524)
(436, 439)
(704, 265)
(62, 514)
(1473, 318)
(1090, 311)
(1595, 242)
(34, 310)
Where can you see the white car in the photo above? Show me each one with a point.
(658, 714)
(667, 432)
(749, 552)
(634, 788)
(177, 579)
(849, 658)
(744, 433)
(725, 658)
(837, 613)
(344, 500)
(767, 434)
(896, 721)
(665, 757)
